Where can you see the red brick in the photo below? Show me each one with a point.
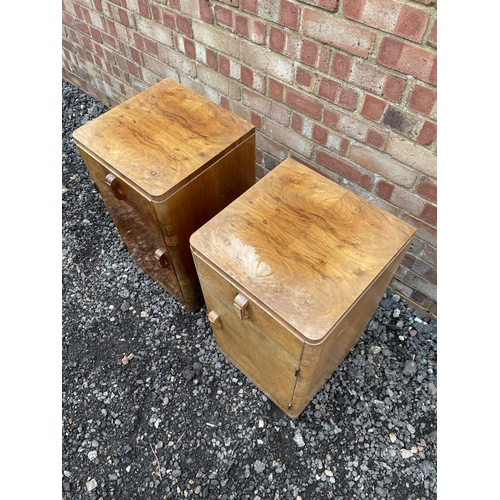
(384, 189)
(430, 254)
(408, 59)
(331, 118)
(320, 134)
(189, 48)
(304, 78)
(246, 75)
(143, 8)
(299, 101)
(289, 14)
(427, 188)
(241, 25)
(336, 93)
(432, 39)
(424, 231)
(411, 23)
(353, 9)
(277, 40)
(224, 16)
(205, 11)
(308, 52)
(124, 18)
(345, 169)
(225, 103)
(211, 57)
(136, 56)
(422, 99)
(297, 123)
(249, 6)
(265, 106)
(184, 25)
(393, 88)
(224, 65)
(376, 139)
(427, 134)
(256, 120)
(276, 89)
(429, 213)
(373, 108)
(341, 66)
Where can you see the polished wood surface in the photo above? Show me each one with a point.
(300, 242)
(162, 137)
(170, 159)
(291, 273)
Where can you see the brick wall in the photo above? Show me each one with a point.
(347, 87)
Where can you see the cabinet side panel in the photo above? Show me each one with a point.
(320, 360)
(198, 201)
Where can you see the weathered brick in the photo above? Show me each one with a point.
(413, 155)
(389, 16)
(432, 38)
(345, 168)
(305, 79)
(427, 188)
(265, 106)
(226, 86)
(373, 108)
(427, 134)
(412, 23)
(265, 144)
(378, 163)
(177, 61)
(303, 103)
(224, 16)
(402, 122)
(251, 29)
(154, 31)
(429, 213)
(408, 59)
(376, 139)
(429, 254)
(384, 189)
(342, 66)
(331, 5)
(216, 39)
(338, 94)
(334, 31)
(276, 90)
(269, 62)
(283, 135)
(277, 39)
(289, 14)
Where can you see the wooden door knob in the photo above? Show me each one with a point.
(112, 182)
(241, 305)
(214, 320)
(161, 257)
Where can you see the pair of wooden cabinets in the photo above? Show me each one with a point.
(291, 268)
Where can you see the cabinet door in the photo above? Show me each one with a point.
(136, 222)
(261, 348)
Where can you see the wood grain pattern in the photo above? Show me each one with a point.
(308, 262)
(299, 242)
(161, 138)
(175, 158)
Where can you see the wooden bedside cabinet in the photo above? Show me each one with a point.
(165, 162)
(292, 272)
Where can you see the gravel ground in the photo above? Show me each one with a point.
(176, 420)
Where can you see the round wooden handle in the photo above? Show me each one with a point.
(161, 257)
(112, 182)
